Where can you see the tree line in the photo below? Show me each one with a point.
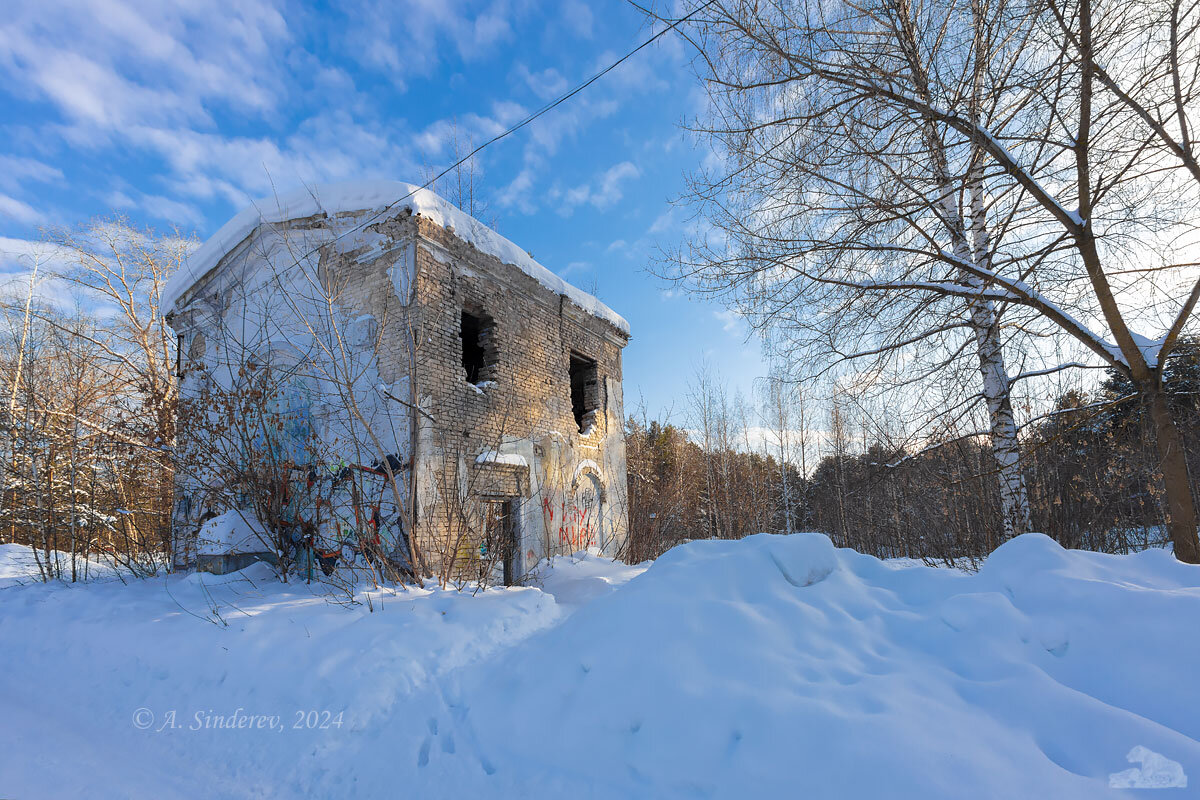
(1091, 470)
(89, 399)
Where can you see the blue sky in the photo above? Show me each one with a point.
(178, 115)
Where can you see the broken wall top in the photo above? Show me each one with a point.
(387, 199)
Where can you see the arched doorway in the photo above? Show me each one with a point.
(588, 511)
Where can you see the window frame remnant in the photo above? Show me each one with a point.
(477, 330)
(584, 378)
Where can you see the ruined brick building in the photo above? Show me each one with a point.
(367, 362)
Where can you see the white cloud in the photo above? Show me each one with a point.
(15, 170)
(118, 199)
(543, 138)
(470, 129)
(663, 222)
(574, 268)
(637, 75)
(547, 132)
(157, 79)
(20, 254)
(329, 147)
(607, 191)
(19, 211)
(546, 84)
(144, 62)
(489, 29)
(163, 208)
(19, 258)
(410, 37)
(576, 196)
(578, 18)
(518, 194)
(731, 321)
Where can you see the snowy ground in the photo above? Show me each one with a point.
(19, 565)
(774, 666)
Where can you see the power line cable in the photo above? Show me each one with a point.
(528, 119)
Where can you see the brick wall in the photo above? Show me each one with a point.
(569, 486)
(528, 410)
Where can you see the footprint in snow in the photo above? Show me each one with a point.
(423, 753)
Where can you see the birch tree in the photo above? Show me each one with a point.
(911, 186)
(782, 414)
(845, 226)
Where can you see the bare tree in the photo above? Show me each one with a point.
(912, 185)
(833, 213)
(91, 393)
(783, 415)
(463, 186)
(122, 271)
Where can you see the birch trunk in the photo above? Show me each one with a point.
(982, 316)
(985, 326)
(1006, 450)
(1014, 497)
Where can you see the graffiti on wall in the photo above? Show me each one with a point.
(576, 518)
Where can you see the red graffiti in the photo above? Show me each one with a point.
(577, 529)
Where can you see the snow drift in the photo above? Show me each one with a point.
(773, 666)
(779, 666)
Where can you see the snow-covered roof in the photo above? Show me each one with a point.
(493, 457)
(338, 198)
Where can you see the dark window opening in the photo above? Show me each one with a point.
(585, 391)
(478, 350)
